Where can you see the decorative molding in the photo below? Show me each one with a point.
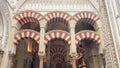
(58, 14)
(56, 5)
(89, 17)
(6, 20)
(27, 33)
(86, 34)
(28, 16)
(110, 54)
(57, 34)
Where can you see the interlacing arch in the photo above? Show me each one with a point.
(87, 34)
(57, 34)
(58, 17)
(28, 17)
(89, 18)
(27, 34)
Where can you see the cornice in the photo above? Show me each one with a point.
(56, 5)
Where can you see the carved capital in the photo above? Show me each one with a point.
(73, 54)
(41, 53)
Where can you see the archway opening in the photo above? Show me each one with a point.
(26, 54)
(90, 58)
(31, 25)
(83, 25)
(57, 24)
(27, 40)
(57, 52)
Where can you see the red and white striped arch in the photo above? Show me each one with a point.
(90, 17)
(27, 33)
(57, 34)
(58, 50)
(58, 14)
(58, 54)
(27, 17)
(87, 35)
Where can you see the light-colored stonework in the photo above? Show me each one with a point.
(103, 14)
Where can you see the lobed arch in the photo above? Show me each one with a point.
(26, 34)
(57, 34)
(28, 17)
(88, 17)
(87, 34)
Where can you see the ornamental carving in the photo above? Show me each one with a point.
(5, 13)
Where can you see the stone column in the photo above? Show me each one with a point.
(42, 33)
(41, 52)
(73, 50)
(74, 62)
(4, 63)
(100, 32)
(13, 31)
(11, 48)
(41, 62)
(72, 33)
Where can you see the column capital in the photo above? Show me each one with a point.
(72, 23)
(41, 53)
(97, 25)
(43, 23)
(73, 54)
